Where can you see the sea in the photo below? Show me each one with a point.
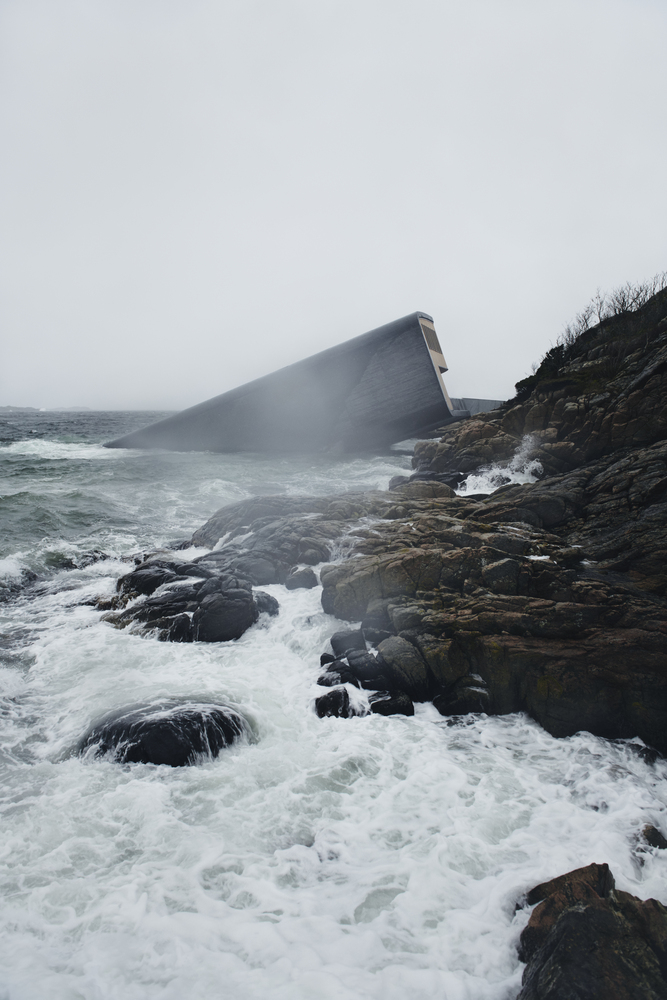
(320, 859)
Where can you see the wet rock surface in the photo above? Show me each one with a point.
(175, 735)
(187, 602)
(586, 940)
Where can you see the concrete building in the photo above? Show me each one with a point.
(378, 388)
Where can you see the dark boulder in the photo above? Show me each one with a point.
(192, 569)
(335, 702)
(387, 703)
(145, 579)
(369, 672)
(342, 641)
(266, 604)
(175, 735)
(468, 694)
(336, 675)
(598, 877)
(364, 665)
(376, 635)
(326, 658)
(221, 617)
(301, 579)
(177, 629)
(406, 668)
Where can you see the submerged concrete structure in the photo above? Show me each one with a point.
(368, 392)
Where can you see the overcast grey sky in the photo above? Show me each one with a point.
(196, 192)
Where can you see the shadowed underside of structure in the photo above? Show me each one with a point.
(370, 391)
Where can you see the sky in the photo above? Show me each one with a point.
(197, 192)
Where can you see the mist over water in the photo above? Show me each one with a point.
(344, 859)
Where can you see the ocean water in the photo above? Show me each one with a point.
(319, 859)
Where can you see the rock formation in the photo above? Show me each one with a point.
(586, 940)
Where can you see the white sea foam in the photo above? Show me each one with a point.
(523, 468)
(360, 858)
(12, 567)
(49, 450)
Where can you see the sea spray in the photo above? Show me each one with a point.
(523, 467)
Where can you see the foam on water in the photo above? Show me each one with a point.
(54, 451)
(357, 859)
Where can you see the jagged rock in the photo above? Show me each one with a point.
(341, 642)
(214, 607)
(335, 702)
(586, 941)
(502, 577)
(337, 675)
(654, 838)
(368, 671)
(176, 629)
(164, 734)
(597, 876)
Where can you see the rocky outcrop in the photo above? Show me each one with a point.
(548, 598)
(605, 392)
(171, 734)
(187, 602)
(586, 940)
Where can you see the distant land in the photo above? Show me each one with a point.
(46, 409)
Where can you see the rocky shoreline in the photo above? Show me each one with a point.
(546, 598)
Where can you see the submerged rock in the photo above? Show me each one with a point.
(175, 735)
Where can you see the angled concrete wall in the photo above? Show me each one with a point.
(381, 387)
